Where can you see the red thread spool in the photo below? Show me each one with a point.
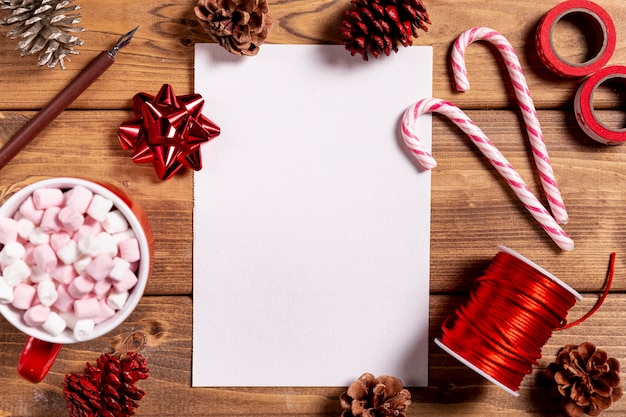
(512, 312)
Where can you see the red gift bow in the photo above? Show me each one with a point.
(167, 131)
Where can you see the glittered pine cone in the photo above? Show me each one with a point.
(107, 389)
(369, 396)
(240, 26)
(584, 379)
(378, 26)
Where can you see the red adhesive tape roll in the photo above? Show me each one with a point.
(584, 110)
(601, 29)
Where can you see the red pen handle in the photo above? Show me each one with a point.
(37, 358)
(38, 123)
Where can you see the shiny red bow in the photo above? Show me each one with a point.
(167, 131)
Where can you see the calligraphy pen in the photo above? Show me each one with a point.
(83, 80)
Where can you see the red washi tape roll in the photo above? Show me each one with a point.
(584, 110)
(600, 28)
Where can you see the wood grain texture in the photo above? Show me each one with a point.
(473, 210)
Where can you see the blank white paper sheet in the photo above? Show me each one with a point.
(311, 219)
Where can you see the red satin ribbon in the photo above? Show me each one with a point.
(509, 317)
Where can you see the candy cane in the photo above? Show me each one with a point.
(525, 101)
(513, 179)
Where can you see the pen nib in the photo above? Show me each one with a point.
(124, 40)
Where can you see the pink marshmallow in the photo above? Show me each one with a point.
(37, 315)
(80, 286)
(106, 312)
(64, 302)
(28, 210)
(64, 273)
(45, 258)
(23, 296)
(127, 283)
(129, 250)
(50, 222)
(44, 198)
(9, 229)
(100, 267)
(101, 289)
(87, 308)
(79, 198)
(59, 239)
(70, 218)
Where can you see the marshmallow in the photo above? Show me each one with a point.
(106, 312)
(100, 267)
(36, 315)
(119, 269)
(69, 318)
(44, 198)
(54, 324)
(64, 273)
(129, 250)
(38, 236)
(17, 272)
(129, 281)
(70, 218)
(69, 253)
(9, 229)
(108, 246)
(79, 198)
(47, 293)
(37, 275)
(83, 328)
(50, 222)
(101, 288)
(12, 252)
(28, 210)
(25, 228)
(6, 292)
(80, 286)
(115, 222)
(116, 300)
(81, 264)
(45, 258)
(59, 239)
(99, 207)
(86, 308)
(23, 296)
(126, 234)
(64, 301)
(89, 245)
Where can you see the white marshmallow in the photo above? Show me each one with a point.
(116, 300)
(69, 253)
(115, 222)
(89, 245)
(24, 228)
(126, 234)
(11, 252)
(6, 292)
(82, 263)
(38, 236)
(54, 324)
(15, 273)
(119, 269)
(37, 275)
(47, 293)
(108, 246)
(99, 207)
(83, 329)
(69, 318)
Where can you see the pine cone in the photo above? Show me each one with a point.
(585, 379)
(369, 396)
(42, 26)
(240, 26)
(379, 25)
(107, 389)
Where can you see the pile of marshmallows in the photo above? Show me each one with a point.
(68, 260)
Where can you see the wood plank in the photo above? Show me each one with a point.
(453, 388)
(162, 51)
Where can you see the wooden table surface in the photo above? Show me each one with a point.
(472, 208)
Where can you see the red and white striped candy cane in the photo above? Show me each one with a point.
(542, 161)
(495, 157)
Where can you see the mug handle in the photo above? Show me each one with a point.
(37, 358)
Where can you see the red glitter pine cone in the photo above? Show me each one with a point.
(107, 389)
(378, 26)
